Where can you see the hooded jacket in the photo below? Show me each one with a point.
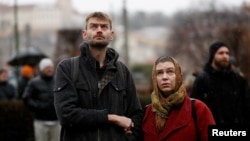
(82, 106)
(38, 97)
(7, 91)
(224, 93)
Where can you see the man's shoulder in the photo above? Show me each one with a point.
(202, 75)
(120, 62)
(36, 79)
(121, 65)
(65, 61)
(240, 78)
(10, 85)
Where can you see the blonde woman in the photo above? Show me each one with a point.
(169, 116)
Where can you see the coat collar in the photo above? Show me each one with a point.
(178, 118)
(111, 56)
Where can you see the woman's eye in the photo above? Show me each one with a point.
(170, 72)
(159, 72)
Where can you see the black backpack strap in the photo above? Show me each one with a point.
(194, 117)
(193, 109)
(145, 108)
(74, 68)
(121, 72)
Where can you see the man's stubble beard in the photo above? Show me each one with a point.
(98, 44)
(222, 65)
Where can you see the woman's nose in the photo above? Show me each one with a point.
(165, 75)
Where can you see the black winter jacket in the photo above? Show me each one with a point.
(224, 93)
(7, 91)
(82, 106)
(39, 98)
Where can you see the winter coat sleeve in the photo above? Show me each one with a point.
(32, 94)
(27, 97)
(204, 119)
(135, 111)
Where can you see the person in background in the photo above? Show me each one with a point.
(27, 72)
(7, 90)
(223, 90)
(39, 98)
(101, 104)
(169, 117)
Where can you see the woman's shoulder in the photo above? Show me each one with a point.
(200, 106)
(199, 103)
(147, 108)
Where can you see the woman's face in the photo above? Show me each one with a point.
(166, 77)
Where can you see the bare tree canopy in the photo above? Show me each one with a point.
(192, 33)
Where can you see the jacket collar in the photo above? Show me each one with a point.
(210, 70)
(111, 55)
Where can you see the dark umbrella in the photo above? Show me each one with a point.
(29, 56)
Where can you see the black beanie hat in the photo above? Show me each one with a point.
(213, 49)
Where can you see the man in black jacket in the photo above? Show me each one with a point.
(38, 96)
(223, 90)
(101, 104)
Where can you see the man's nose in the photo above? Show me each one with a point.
(99, 28)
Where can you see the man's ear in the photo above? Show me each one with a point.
(112, 35)
(84, 34)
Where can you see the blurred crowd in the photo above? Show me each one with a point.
(33, 89)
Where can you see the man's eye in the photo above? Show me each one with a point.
(93, 26)
(104, 26)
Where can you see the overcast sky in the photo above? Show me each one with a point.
(166, 6)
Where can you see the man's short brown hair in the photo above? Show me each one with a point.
(99, 15)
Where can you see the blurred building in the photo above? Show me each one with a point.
(37, 25)
(145, 45)
(41, 18)
(55, 28)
